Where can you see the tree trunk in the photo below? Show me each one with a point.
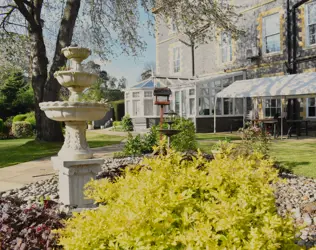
(46, 88)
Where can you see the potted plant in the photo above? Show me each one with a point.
(90, 125)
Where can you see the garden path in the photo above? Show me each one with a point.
(21, 174)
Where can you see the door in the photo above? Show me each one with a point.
(293, 109)
(136, 108)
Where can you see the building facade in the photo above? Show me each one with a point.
(275, 42)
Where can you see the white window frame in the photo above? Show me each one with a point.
(176, 60)
(307, 107)
(307, 24)
(264, 35)
(277, 107)
(148, 94)
(226, 46)
(136, 95)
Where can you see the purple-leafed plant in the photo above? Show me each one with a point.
(28, 227)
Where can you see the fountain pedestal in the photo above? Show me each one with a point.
(75, 163)
(73, 176)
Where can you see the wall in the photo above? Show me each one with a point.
(208, 56)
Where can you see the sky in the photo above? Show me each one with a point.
(131, 67)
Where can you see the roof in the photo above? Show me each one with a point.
(149, 83)
(288, 85)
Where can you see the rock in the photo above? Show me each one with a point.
(296, 213)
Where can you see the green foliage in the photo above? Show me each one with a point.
(16, 95)
(1, 125)
(118, 107)
(28, 117)
(186, 139)
(141, 145)
(22, 129)
(133, 145)
(117, 124)
(127, 123)
(170, 202)
(255, 139)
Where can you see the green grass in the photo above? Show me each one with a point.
(217, 137)
(16, 151)
(299, 156)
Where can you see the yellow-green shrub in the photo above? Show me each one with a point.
(171, 203)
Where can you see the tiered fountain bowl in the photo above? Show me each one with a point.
(74, 113)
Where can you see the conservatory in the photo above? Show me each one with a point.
(191, 98)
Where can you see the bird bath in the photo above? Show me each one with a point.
(170, 132)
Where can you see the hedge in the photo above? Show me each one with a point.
(119, 109)
(22, 129)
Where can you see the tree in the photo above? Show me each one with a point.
(16, 95)
(100, 24)
(122, 83)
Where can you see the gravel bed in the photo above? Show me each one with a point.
(295, 196)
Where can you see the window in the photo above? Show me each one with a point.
(239, 107)
(311, 107)
(177, 102)
(219, 107)
(127, 107)
(204, 106)
(176, 60)
(272, 107)
(183, 102)
(148, 107)
(226, 47)
(192, 92)
(192, 106)
(271, 33)
(135, 94)
(205, 89)
(136, 108)
(173, 27)
(126, 94)
(311, 23)
(148, 94)
(228, 106)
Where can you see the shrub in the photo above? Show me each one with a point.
(32, 120)
(22, 129)
(169, 202)
(7, 125)
(23, 227)
(117, 124)
(127, 123)
(255, 139)
(186, 139)
(19, 118)
(1, 125)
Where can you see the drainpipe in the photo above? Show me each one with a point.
(193, 58)
(289, 37)
(294, 33)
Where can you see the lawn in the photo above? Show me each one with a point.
(299, 156)
(22, 150)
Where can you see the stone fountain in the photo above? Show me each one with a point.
(75, 161)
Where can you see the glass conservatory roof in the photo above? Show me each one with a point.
(145, 84)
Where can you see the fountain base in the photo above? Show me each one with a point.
(75, 146)
(73, 176)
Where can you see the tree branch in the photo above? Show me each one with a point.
(24, 11)
(65, 33)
